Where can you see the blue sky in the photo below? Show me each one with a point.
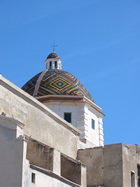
(98, 42)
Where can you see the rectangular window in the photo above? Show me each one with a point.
(67, 116)
(33, 177)
(92, 123)
(50, 64)
(55, 64)
(132, 179)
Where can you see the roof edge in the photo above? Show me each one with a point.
(33, 101)
(70, 97)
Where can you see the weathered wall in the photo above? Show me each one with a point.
(42, 180)
(40, 122)
(11, 154)
(39, 154)
(70, 169)
(94, 161)
(43, 156)
(113, 175)
(131, 157)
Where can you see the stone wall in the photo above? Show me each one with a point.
(113, 165)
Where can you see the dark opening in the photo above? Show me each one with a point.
(132, 179)
(33, 177)
(93, 124)
(55, 64)
(50, 64)
(67, 116)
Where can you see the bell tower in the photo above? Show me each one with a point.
(53, 61)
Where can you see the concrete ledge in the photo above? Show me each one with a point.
(10, 123)
(68, 98)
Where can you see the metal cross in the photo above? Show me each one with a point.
(54, 46)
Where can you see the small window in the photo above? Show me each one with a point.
(132, 179)
(93, 124)
(33, 177)
(55, 64)
(67, 116)
(50, 64)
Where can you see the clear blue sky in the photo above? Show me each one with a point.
(98, 42)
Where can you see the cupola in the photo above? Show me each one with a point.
(54, 81)
(53, 61)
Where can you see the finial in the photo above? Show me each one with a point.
(54, 46)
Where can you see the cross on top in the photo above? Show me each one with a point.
(54, 46)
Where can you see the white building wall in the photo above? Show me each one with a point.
(12, 155)
(61, 107)
(15, 168)
(82, 114)
(95, 135)
(44, 180)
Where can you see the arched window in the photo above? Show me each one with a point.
(50, 64)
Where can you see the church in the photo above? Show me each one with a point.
(51, 134)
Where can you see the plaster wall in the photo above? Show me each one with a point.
(95, 135)
(113, 162)
(40, 155)
(70, 169)
(119, 162)
(61, 107)
(111, 165)
(82, 114)
(77, 111)
(40, 122)
(131, 158)
(94, 161)
(83, 176)
(11, 154)
(42, 179)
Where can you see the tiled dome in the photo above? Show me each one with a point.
(55, 82)
(53, 55)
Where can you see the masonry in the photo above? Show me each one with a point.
(111, 165)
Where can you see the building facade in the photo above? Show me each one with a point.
(66, 96)
(51, 134)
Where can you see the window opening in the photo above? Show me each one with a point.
(132, 179)
(33, 177)
(67, 116)
(50, 64)
(92, 123)
(55, 64)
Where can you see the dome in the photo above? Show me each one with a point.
(55, 82)
(53, 55)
